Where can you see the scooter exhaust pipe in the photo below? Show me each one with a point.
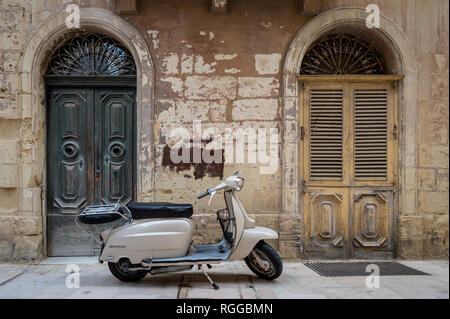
(159, 270)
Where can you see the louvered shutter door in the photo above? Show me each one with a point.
(370, 144)
(326, 119)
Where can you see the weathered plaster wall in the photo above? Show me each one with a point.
(226, 73)
(225, 70)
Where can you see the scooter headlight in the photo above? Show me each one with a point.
(239, 184)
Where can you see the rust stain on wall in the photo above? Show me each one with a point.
(201, 169)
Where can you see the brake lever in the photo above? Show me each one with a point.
(212, 195)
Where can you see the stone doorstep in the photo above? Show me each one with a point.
(81, 260)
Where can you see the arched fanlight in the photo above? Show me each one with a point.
(91, 54)
(341, 55)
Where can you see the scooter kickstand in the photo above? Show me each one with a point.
(209, 278)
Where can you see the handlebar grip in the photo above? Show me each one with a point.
(203, 195)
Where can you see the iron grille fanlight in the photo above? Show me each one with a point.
(91, 54)
(341, 55)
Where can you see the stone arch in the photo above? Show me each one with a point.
(32, 103)
(397, 49)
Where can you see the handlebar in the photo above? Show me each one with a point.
(203, 195)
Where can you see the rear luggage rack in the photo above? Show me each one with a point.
(102, 214)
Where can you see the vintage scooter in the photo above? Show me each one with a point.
(157, 237)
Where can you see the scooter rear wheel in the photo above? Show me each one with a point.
(264, 261)
(117, 269)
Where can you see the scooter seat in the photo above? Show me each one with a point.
(141, 210)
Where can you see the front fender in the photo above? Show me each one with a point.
(250, 237)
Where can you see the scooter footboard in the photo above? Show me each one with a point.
(250, 237)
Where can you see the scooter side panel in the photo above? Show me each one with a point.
(156, 238)
(249, 239)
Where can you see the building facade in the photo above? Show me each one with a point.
(347, 99)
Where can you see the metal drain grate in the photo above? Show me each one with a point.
(351, 269)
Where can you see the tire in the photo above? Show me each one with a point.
(118, 272)
(271, 258)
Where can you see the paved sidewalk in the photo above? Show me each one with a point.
(47, 280)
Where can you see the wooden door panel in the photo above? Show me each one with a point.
(68, 155)
(372, 221)
(68, 159)
(323, 125)
(370, 128)
(325, 221)
(115, 148)
(326, 129)
(373, 110)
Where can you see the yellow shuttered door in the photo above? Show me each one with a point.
(349, 163)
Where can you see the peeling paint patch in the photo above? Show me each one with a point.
(232, 71)
(154, 35)
(267, 63)
(220, 3)
(258, 86)
(187, 63)
(211, 35)
(189, 110)
(170, 64)
(186, 44)
(202, 67)
(176, 84)
(201, 169)
(202, 33)
(210, 87)
(266, 24)
(222, 57)
(255, 109)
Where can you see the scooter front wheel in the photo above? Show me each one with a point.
(118, 271)
(264, 261)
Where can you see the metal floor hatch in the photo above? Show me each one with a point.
(353, 269)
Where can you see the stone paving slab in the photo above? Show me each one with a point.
(48, 280)
(9, 272)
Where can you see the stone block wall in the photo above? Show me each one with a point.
(21, 223)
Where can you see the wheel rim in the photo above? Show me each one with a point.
(121, 265)
(261, 262)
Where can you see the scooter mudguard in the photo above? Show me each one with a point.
(155, 238)
(250, 237)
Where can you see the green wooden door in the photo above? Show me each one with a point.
(90, 155)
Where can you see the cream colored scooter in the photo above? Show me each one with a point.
(157, 237)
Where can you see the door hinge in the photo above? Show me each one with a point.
(395, 132)
(302, 85)
(302, 133)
